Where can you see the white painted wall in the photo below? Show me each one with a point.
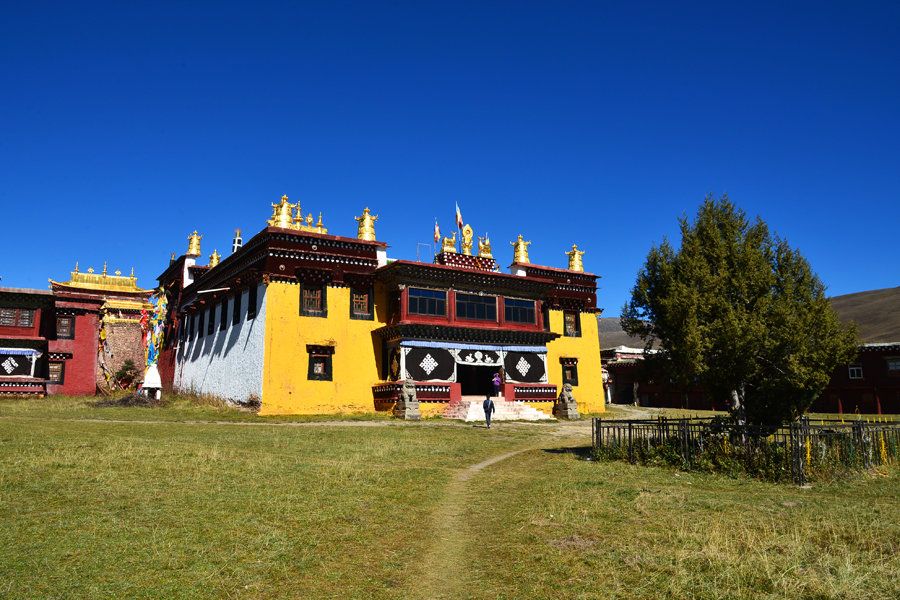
(228, 363)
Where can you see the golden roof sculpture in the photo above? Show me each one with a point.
(102, 282)
(194, 244)
(214, 258)
(448, 244)
(520, 251)
(282, 216)
(484, 247)
(467, 240)
(366, 226)
(575, 263)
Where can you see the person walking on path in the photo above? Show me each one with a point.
(496, 381)
(488, 410)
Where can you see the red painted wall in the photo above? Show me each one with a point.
(79, 376)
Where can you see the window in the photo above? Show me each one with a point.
(313, 301)
(65, 328)
(319, 362)
(545, 316)
(569, 370)
(427, 302)
(193, 323)
(518, 311)
(251, 302)
(480, 308)
(200, 332)
(236, 313)
(16, 317)
(56, 371)
(855, 371)
(361, 304)
(211, 324)
(223, 315)
(893, 367)
(572, 324)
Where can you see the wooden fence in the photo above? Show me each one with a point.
(803, 449)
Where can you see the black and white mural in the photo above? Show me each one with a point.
(485, 358)
(525, 367)
(430, 364)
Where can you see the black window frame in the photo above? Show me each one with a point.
(545, 316)
(518, 305)
(473, 304)
(569, 363)
(320, 355)
(369, 315)
(577, 319)
(236, 309)
(211, 322)
(223, 315)
(323, 301)
(62, 372)
(71, 333)
(419, 301)
(252, 300)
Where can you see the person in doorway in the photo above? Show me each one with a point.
(488, 410)
(496, 381)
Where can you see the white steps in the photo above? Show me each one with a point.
(469, 409)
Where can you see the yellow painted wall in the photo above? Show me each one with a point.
(355, 364)
(589, 391)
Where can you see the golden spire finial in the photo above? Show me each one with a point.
(214, 258)
(282, 214)
(118, 273)
(366, 229)
(575, 263)
(194, 244)
(104, 267)
(76, 267)
(520, 251)
(132, 273)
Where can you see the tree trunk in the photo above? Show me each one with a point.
(739, 411)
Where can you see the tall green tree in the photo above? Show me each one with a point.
(741, 312)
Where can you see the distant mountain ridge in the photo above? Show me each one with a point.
(876, 314)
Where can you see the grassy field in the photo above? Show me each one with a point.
(164, 503)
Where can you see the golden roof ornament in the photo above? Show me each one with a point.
(366, 226)
(520, 251)
(194, 244)
(214, 258)
(484, 247)
(281, 214)
(101, 281)
(448, 244)
(575, 263)
(467, 240)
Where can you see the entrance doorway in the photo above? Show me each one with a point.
(475, 380)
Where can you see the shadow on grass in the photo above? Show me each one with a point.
(581, 452)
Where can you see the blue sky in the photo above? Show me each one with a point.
(125, 126)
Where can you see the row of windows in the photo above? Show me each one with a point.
(314, 302)
(855, 371)
(199, 325)
(16, 317)
(433, 303)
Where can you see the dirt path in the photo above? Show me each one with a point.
(442, 572)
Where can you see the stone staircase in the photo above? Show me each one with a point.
(469, 409)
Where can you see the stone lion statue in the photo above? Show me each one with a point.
(565, 396)
(408, 391)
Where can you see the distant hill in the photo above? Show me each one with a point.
(876, 313)
(611, 334)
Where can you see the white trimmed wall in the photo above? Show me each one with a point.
(229, 362)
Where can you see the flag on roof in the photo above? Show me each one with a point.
(459, 221)
(437, 232)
